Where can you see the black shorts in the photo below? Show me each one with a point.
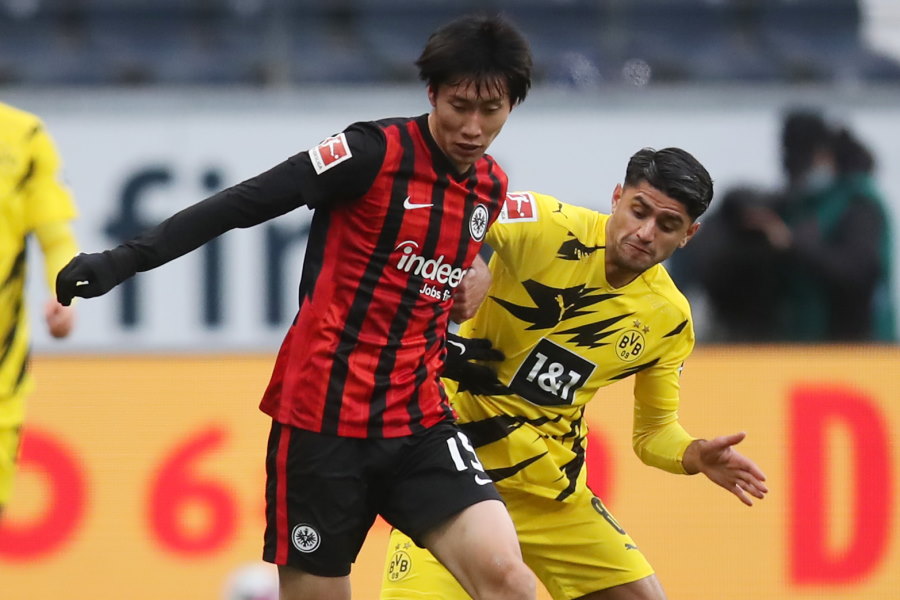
(323, 492)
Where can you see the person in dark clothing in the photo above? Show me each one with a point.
(361, 425)
(838, 274)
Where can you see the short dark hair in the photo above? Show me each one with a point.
(803, 133)
(485, 49)
(675, 173)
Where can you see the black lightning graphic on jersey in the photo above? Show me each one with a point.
(487, 431)
(496, 428)
(590, 335)
(552, 305)
(632, 370)
(574, 249)
(678, 329)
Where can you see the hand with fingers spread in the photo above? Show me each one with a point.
(722, 464)
(472, 376)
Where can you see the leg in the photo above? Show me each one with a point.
(9, 449)
(317, 514)
(443, 499)
(578, 549)
(647, 588)
(479, 546)
(294, 584)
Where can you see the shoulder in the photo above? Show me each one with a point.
(19, 122)
(659, 281)
(528, 207)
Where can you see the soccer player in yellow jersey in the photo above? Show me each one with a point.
(579, 300)
(32, 200)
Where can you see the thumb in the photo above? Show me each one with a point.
(725, 441)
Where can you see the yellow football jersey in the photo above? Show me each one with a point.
(566, 333)
(31, 195)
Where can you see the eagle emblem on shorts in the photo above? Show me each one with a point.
(305, 538)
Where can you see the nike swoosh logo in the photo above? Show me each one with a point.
(81, 283)
(462, 347)
(482, 480)
(409, 204)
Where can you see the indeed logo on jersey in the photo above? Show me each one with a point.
(432, 270)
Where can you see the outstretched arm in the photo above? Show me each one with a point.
(725, 466)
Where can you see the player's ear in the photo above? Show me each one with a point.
(616, 196)
(432, 96)
(690, 233)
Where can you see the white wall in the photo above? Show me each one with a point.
(572, 146)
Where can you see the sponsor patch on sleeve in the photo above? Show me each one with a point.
(330, 152)
(519, 207)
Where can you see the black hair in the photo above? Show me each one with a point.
(851, 155)
(804, 132)
(486, 49)
(675, 173)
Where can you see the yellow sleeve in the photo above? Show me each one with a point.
(48, 200)
(658, 438)
(57, 241)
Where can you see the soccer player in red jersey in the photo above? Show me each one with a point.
(360, 421)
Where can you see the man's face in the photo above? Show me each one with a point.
(464, 123)
(645, 228)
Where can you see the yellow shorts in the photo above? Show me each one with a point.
(574, 547)
(11, 413)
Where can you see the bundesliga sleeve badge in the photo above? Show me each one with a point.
(330, 152)
(518, 207)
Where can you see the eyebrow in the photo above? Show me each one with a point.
(664, 214)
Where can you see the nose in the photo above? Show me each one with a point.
(472, 125)
(646, 231)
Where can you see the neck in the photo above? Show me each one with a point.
(618, 277)
(460, 168)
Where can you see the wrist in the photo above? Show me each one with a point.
(690, 460)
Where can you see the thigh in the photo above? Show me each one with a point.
(574, 547)
(411, 571)
(317, 506)
(437, 476)
(9, 450)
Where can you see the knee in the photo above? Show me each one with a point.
(510, 580)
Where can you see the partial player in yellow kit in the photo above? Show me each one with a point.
(32, 201)
(579, 300)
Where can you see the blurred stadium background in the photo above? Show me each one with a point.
(141, 474)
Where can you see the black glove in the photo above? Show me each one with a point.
(87, 276)
(473, 377)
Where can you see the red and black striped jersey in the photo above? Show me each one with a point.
(364, 354)
(395, 227)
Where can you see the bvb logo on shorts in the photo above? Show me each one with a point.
(399, 566)
(305, 538)
(478, 222)
(630, 345)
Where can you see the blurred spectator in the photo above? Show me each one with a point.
(837, 282)
(810, 264)
(734, 263)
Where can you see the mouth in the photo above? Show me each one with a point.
(639, 249)
(468, 148)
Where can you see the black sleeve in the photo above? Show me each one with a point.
(279, 190)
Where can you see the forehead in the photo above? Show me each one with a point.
(476, 90)
(656, 199)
